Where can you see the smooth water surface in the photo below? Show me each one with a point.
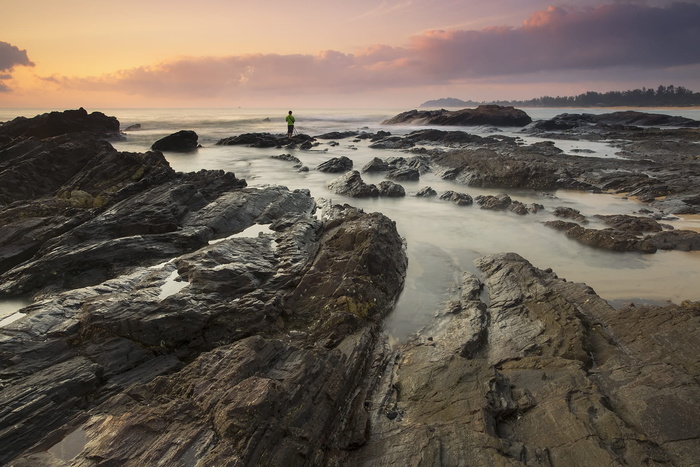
(442, 239)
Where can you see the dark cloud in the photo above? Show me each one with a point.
(561, 38)
(10, 57)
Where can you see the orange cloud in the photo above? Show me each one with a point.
(625, 37)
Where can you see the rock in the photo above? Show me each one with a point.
(500, 202)
(336, 165)
(288, 158)
(134, 127)
(391, 189)
(404, 174)
(607, 239)
(683, 240)
(254, 140)
(376, 165)
(483, 115)
(533, 381)
(62, 123)
(182, 141)
(570, 213)
(460, 199)
(487, 168)
(338, 135)
(351, 184)
(631, 223)
(262, 338)
(426, 192)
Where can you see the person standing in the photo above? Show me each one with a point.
(290, 124)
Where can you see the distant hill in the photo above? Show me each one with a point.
(663, 96)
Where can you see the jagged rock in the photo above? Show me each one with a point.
(487, 168)
(570, 213)
(606, 239)
(502, 202)
(460, 199)
(426, 192)
(336, 165)
(376, 165)
(338, 135)
(404, 174)
(683, 240)
(287, 157)
(181, 141)
(391, 189)
(264, 140)
(483, 115)
(261, 338)
(61, 123)
(351, 184)
(524, 381)
(631, 223)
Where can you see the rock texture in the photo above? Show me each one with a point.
(547, 374)
(150, 312)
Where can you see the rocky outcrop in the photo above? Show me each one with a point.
(61, 123)
(336, 165)
(181, 141)
(265, 140)
(483, 115)
(568, 121)
(460, 199)
(503, 202)
(138, 297)
(351, 184)
(529, 380)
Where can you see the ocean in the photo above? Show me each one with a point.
(442, 239)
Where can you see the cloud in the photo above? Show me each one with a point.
(622, 37)
(10, 57)
(567, 38)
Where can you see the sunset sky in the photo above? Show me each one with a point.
(327, 53)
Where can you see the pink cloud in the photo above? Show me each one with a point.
(619, 36)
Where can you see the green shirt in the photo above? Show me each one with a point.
(290, 119)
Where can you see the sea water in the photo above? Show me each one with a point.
(442, 239)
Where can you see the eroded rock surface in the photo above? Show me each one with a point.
(546, 374)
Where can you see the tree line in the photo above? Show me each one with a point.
(663, 96)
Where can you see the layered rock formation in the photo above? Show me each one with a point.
(159, 335)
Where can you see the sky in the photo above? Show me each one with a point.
(335, 54)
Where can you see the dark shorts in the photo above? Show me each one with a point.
(290, 128)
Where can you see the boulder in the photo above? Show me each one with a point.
(426, 192)
(351, 184)
(391, 189)
(182, 141)
(460, 199)
(336, 165)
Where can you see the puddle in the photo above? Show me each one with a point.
(9, 310)
(70, 446)
(251, 232)
(171, 286)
